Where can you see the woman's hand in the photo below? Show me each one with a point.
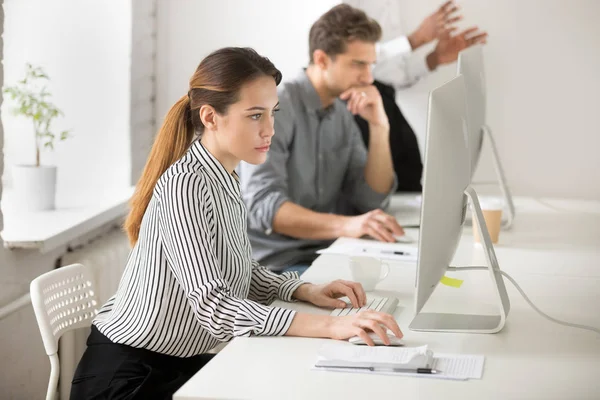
(360, 324)
(328, 295)
(341, 328)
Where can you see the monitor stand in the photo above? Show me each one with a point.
(470, 323)
(501, 181)
(487, 131)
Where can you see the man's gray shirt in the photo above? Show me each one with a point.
(317, 160)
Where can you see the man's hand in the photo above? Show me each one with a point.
(376, 223)
(366, 102)
(449, 46)
(435, 25)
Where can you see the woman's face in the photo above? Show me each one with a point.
(244, 132)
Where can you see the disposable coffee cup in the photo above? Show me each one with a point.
(492, 214)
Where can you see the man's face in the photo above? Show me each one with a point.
(350, 69)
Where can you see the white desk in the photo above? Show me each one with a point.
(553, 251)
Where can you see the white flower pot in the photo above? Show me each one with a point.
(34, 187)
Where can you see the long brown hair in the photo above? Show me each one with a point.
(216, 82)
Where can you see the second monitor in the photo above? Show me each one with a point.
(470, 65)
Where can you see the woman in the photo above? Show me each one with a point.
(190, 281)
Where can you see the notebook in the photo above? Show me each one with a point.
(402, 361)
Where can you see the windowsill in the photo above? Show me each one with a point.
(64, 226)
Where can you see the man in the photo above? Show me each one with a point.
(404, 70)
(318, 170)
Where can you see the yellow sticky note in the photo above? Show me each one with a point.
(455, 283)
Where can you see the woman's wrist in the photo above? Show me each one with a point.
(303, 292)
(311, 325)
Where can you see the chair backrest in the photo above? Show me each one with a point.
(63, 299)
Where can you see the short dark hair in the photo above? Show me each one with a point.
(340, 25)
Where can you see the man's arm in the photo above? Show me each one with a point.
(397, 67)
(378, 168)
(379, 171)
(300, 222)
(296, 221)
(440, 22)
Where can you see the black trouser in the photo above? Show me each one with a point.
(114, 371)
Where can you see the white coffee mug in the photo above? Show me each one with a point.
(367, 271)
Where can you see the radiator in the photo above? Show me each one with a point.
(106, 256)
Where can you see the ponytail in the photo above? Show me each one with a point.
(173, 139)
(217, 82)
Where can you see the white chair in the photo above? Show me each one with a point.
(63, 299)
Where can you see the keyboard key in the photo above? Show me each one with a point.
(382, 304)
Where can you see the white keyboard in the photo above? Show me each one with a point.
(383, 304)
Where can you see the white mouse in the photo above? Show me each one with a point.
(404, 239)
(394, 341)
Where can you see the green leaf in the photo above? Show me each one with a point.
(32, 100)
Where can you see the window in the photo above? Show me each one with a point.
(85, 48)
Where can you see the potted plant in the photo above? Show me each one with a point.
(35, 185)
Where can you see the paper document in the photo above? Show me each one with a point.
(355, 359)
(460, 365)
(364, 247)
(332, 354)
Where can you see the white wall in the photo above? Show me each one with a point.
(25, 366)
(143, 83)
(542, 68)
(85, 47)
(96, 32)
(189, 30)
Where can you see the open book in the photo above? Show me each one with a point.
(398, 361)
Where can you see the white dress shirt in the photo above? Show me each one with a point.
(397, 66)
(190, 281)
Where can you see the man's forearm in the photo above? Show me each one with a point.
(415, 40)
(379, 171)
(301, 223)
(432, 61)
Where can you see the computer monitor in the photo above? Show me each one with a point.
(470, 65)
(446, 191)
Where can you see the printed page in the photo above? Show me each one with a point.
(332, 354)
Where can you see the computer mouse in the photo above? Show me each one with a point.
(394, 341)
(404, 239)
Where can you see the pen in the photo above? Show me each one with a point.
(396, 252)
(375, 369)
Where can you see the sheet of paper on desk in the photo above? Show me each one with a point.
(341, 354)
(404, 374)
(452, 366)
(362, 247)
(467, 366)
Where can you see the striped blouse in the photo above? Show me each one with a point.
(190, 281)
